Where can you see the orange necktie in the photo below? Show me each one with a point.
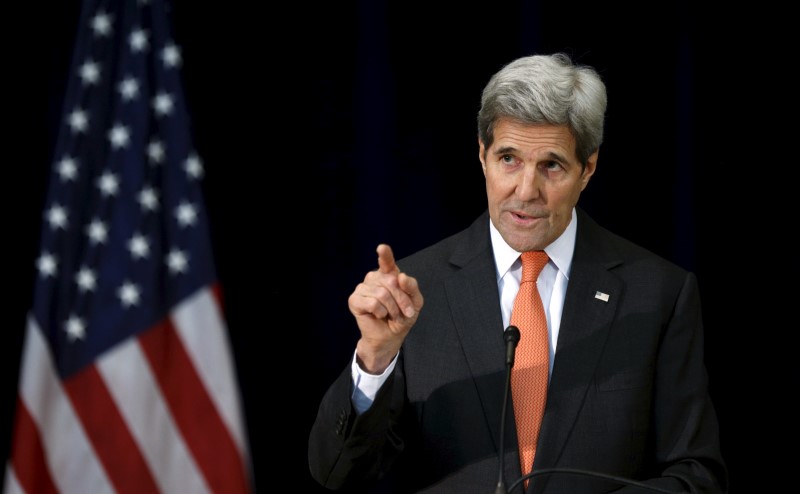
(530, 372)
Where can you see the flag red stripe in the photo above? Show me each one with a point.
(216, 292)
(195, 414)
(27, 453)
(107, 431)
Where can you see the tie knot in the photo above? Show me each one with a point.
(532, 263)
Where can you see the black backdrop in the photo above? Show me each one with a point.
(327, 129)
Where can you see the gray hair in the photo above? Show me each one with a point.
(547, 89)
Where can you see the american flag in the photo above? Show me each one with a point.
(127, 382)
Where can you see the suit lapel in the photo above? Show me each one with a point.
(589, 308)
(475, 305)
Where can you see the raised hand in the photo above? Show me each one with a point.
(386, 306)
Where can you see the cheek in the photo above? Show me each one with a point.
(557, 195)
(498, 185)
(571, 194)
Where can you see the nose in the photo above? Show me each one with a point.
(528, 184)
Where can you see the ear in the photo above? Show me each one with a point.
(588, 171)
(481, 153)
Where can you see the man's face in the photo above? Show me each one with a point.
(533, 180)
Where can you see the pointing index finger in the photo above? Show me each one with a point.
(386, 262)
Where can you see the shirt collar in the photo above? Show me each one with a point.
(560, 251)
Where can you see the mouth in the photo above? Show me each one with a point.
(520, 216)
(525, 219)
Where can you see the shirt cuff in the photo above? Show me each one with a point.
(366, 386)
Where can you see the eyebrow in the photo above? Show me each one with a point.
(512, 150)
(505, 150)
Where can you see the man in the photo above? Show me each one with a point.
(626, 404)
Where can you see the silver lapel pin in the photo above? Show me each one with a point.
(601, 296)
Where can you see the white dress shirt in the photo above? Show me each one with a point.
(552, 286)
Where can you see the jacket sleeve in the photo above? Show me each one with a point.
(347, 449)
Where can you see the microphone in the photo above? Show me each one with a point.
(511, 337)
(589, 473)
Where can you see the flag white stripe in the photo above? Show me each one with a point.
(11, 485)
(199, 324)
(68, 452)
(130, 381)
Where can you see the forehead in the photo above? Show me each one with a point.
(511, 134)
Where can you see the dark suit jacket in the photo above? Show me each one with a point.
(628, 394)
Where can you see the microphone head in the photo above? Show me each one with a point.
(511, 334)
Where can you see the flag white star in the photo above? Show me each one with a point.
(193, 166)
(108, 184)
(128, 88)
(186, 214)
(47, 265)
(138, 40)
(138, 246)
(162, 104)
(177, 261)
(86, 279)
(148, 198)
(67, 169)
(128, 294)
(101, 24)
(171, 56)
(75, 328)
(155, 151)
(119, 135)
(89, 73)
(57, 217)
(78, 121)
(97, 232)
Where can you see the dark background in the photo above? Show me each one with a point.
(327, 129)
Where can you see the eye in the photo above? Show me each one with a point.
(552, 168)
(510, 161)
(552, 165)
